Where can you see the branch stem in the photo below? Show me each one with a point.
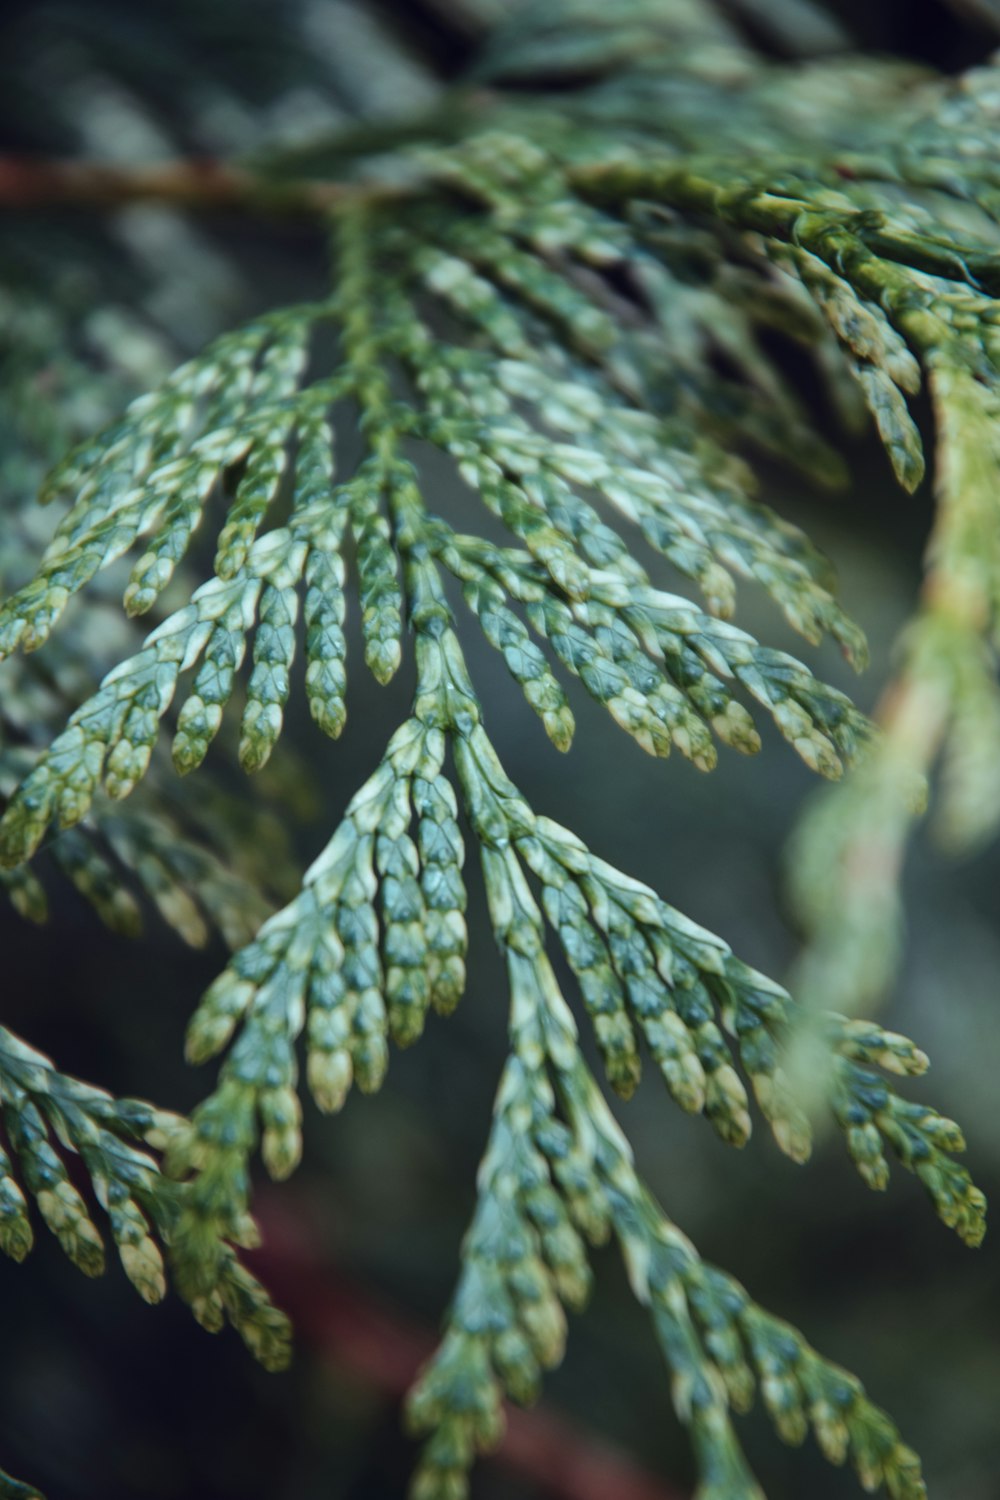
(32, 183)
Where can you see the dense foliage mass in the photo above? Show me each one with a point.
(574, 277)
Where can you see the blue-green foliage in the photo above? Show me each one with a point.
(575, 300)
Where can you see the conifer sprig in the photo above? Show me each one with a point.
(185, 859)
(558, 1172)
(48, 1116)
(327, 963)
(540, 300)
(942, 708)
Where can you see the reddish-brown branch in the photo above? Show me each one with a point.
(385, 1352)
(36, 182)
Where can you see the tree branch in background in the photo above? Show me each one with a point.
(38, 182)
(384, 1352)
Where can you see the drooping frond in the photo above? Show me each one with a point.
(189, 858)
(940, 714)
(377, 936)
(48, 1116)
(575, 299)
(557, 1173)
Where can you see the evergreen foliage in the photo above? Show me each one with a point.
(569, 280)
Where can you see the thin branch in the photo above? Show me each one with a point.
(203, 183)
(34, 182)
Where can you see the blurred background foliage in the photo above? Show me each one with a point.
(100, 1396)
